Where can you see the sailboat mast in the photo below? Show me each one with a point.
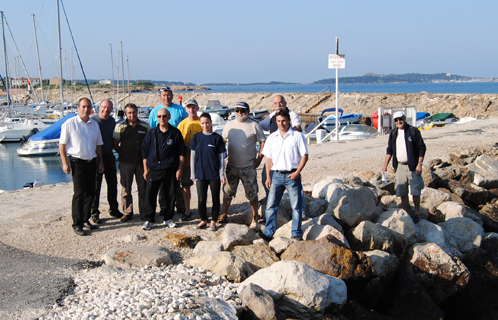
(122, 70)
(60, 57)
(112, 71)
(7, 78)
(38, 56)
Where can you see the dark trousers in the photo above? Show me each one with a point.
(202, 190)
(127, 171)
(179, 198)
(83, 173)
(111, 179)
(157, 179)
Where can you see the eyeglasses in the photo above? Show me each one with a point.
(240, 110)
(162, 116)
(165, 89)
(398, 120)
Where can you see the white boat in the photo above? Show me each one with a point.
(46, 142)
(344, 118)
(346, 132)
(215, 106)
(15, 129)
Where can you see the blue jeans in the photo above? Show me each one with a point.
(280, 182)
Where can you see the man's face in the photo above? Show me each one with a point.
(283, 123)
(131, 115)
(167, 97)
(279, 103)
(105, 109)
(163, 117)
(206, 125)
(192, 111)
(84, 109)
(241, 114)
(400, 123)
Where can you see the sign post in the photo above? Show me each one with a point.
(337, 61)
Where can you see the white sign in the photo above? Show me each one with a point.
(337, 61)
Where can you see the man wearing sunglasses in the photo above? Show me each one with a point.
(407, 149)
(242, 135)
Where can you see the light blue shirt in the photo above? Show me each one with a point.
(177, 112)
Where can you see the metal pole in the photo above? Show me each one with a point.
(117, 82)
(7, 78)
(112, 71)
(122, 69)
(128, 75)
(60, 59)
(38, 57)
(336, 93)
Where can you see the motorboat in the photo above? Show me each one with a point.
(16, 128)
(344, 118)
(421, 117)
(45, 142)
(346, 132)
(440, 120)
(215, 106)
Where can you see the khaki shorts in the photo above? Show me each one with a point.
(405, 177)
(249, 180)
(186, 181)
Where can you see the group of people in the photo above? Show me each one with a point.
(177, 147)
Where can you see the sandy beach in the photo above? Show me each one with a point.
(35, 224)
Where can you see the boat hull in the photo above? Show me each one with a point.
(39, 148)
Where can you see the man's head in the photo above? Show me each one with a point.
(283, 120)
(279, 103)
(166, 96)
(399, 119)
(105, 109)
(163, 117)
(192, 107)
(206, 123)
(131, 112)
(84, 108)
(241, 111)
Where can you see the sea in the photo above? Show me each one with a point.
(16, 171)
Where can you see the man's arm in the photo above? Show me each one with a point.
(100, 159)
(116, 145)
(65, 165)
(268, 165)
(386, 163)
(297, 128)
(259, 156)
(179, 172)
(302, 163)
(146, 169)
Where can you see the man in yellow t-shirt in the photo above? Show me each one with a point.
(188, 127)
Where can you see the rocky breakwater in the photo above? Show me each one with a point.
(362, 258)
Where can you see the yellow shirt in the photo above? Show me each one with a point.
(188, 128)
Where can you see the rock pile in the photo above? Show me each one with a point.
(362, 258)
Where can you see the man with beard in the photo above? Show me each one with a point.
(242, 135)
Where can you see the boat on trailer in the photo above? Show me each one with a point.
(344, 118)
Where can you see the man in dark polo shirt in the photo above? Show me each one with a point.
(128, 138)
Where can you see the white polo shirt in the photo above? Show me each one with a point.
(81, 138)
(285, 152)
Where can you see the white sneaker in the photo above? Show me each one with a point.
(147, 225)
(170, 223)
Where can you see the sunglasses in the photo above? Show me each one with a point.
(240, 110)
(162, 116)
(165, 89)
(398, 120)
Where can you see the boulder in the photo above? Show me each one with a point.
(484, 172)
(257, 255)
(327, 219)
(285, 230)
(317, 231)
(399, 222)
(259, 304)
(385, 265)
(370, 236)
(280, 244)
(430, 177)
(224, 263)
(208, 246)
(469, 192)
(320, 189)
(354, 310)
(236, 234)
(351, 204)
(489, 216)
(441, 275)
(451, 209)
(300, 291)
(431, 198)
(467, 234)
(317, 207)
(430, 232)
(134, 257)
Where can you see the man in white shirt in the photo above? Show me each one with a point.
(81, 144)
(286, 155)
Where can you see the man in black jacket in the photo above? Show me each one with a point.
(407, 148)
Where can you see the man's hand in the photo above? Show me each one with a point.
(179, 174)
(66, 168)
(257, 161)
(293, 175)
(146, 173)
(101, 168)
(223, 181)
(268, 183)
(418, 170)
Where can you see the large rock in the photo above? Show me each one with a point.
(453, 209)
(467, 234)
(430, 232)
(484, 172)
(280, 244)
(317, 231)
(320, 189)
(440, 274)
(224, 263)
(351, 204)
(469, 192)
(285, 230)
(208, 246)
(386, 265)
(257, 255)
(370, 236)
(431, 198)
(327, 219)
(300, 291)
(133, 257)
(259, 303)
(489, 216)
(399, 222)
(316, 208)
(235, 235)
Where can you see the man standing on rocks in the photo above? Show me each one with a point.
(163, 154)
(177, 114)
(80, 147)
(188, 127)
(407, 148)
(106, 124)
(286, 155)
(128, 137)
(242, 134)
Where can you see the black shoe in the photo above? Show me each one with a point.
(96, 219)
(126, 217)
(265, 237)
(79, 231)
(116, 214)
(185, 217)
(297, 238)
(90, 226)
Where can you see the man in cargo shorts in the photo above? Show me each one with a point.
(407, 148)
(242, 134)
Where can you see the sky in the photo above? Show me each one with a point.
(253, 41)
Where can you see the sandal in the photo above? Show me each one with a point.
(198, 227)
(222, 219)
(258, 218)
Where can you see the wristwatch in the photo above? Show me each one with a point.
(421, 163)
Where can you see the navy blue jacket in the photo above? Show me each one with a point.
(415, 146)
(169, 153)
